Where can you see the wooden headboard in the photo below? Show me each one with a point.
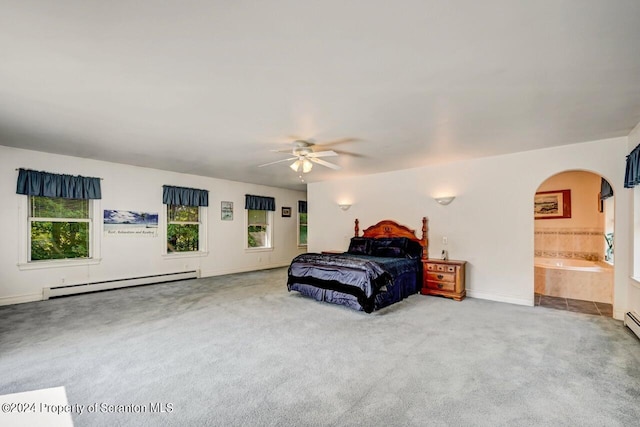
(389, 228)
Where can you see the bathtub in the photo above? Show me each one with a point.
(570, 264)
(574, 278)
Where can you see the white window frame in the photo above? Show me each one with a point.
(202, 235)
(24, 246)
(269, 232)
(302, 245)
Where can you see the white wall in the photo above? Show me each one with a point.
(489, 224)
(138, 189)
(634, 234)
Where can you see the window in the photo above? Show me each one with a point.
(258, 229)
(59, 228)
(302, 223)
(302, 229)
(183, 228)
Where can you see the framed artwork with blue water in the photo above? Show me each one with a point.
(552, 204)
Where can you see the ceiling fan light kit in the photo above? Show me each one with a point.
(302, 162)
(305, 157)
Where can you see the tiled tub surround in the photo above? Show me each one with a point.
(572, 243)
(575, 279)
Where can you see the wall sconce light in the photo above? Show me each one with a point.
(444, 201)
(344, 206)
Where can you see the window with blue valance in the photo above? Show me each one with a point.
(45, 184)
(259, 203)
(605, 189)
(184, 196)
(302, 206)
(632, 172)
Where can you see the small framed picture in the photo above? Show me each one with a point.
(286, 212)
(552, 204)
(226, 211)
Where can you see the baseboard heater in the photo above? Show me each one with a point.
(632, 322)
(81, 288)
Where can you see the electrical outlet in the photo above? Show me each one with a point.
(445, 240)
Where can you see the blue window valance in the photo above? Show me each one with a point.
(302, 206)
(37, 183)
(184, 196)
(632, 172)
(605, 189)
(259, 203)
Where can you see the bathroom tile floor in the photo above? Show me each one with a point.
(579, 306)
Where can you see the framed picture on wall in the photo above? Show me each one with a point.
(552, 204)
(286, 212)
(226, 211)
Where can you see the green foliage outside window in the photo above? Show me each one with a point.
(257, 236)
(59, 228)
(183, 229)
(257, 228)
(303, 229)
(182, 237)
(181, 213)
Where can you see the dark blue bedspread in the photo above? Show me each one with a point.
(364, 282)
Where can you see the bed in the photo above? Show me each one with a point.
(380, 268)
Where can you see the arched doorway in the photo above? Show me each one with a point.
(573, 243)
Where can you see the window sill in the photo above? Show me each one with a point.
(37, 265)
(258, 250)
(635, 281)
(181, 255)
(302, 246)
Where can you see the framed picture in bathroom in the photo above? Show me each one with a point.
(552, 204)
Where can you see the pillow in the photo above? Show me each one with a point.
(413, 250)
(396, 247)
(393, 247)
(360, 246)
(389, 252)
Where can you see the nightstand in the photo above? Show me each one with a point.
(444, 278)
(332, 252)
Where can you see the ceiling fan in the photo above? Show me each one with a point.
(305, 157)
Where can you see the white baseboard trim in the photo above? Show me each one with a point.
(500, 298)
(81, 288)
(19, 299)
(632, 321)
(222, 272)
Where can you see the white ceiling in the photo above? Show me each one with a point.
(210, 87)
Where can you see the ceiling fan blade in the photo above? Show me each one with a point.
(349, 153)
(338, 141)
(322, 154)
(278, 161)
(323, 163)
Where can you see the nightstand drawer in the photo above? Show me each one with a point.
(441, 277)
(443, 286)
(441, 267)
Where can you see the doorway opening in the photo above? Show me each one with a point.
(574, 243)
